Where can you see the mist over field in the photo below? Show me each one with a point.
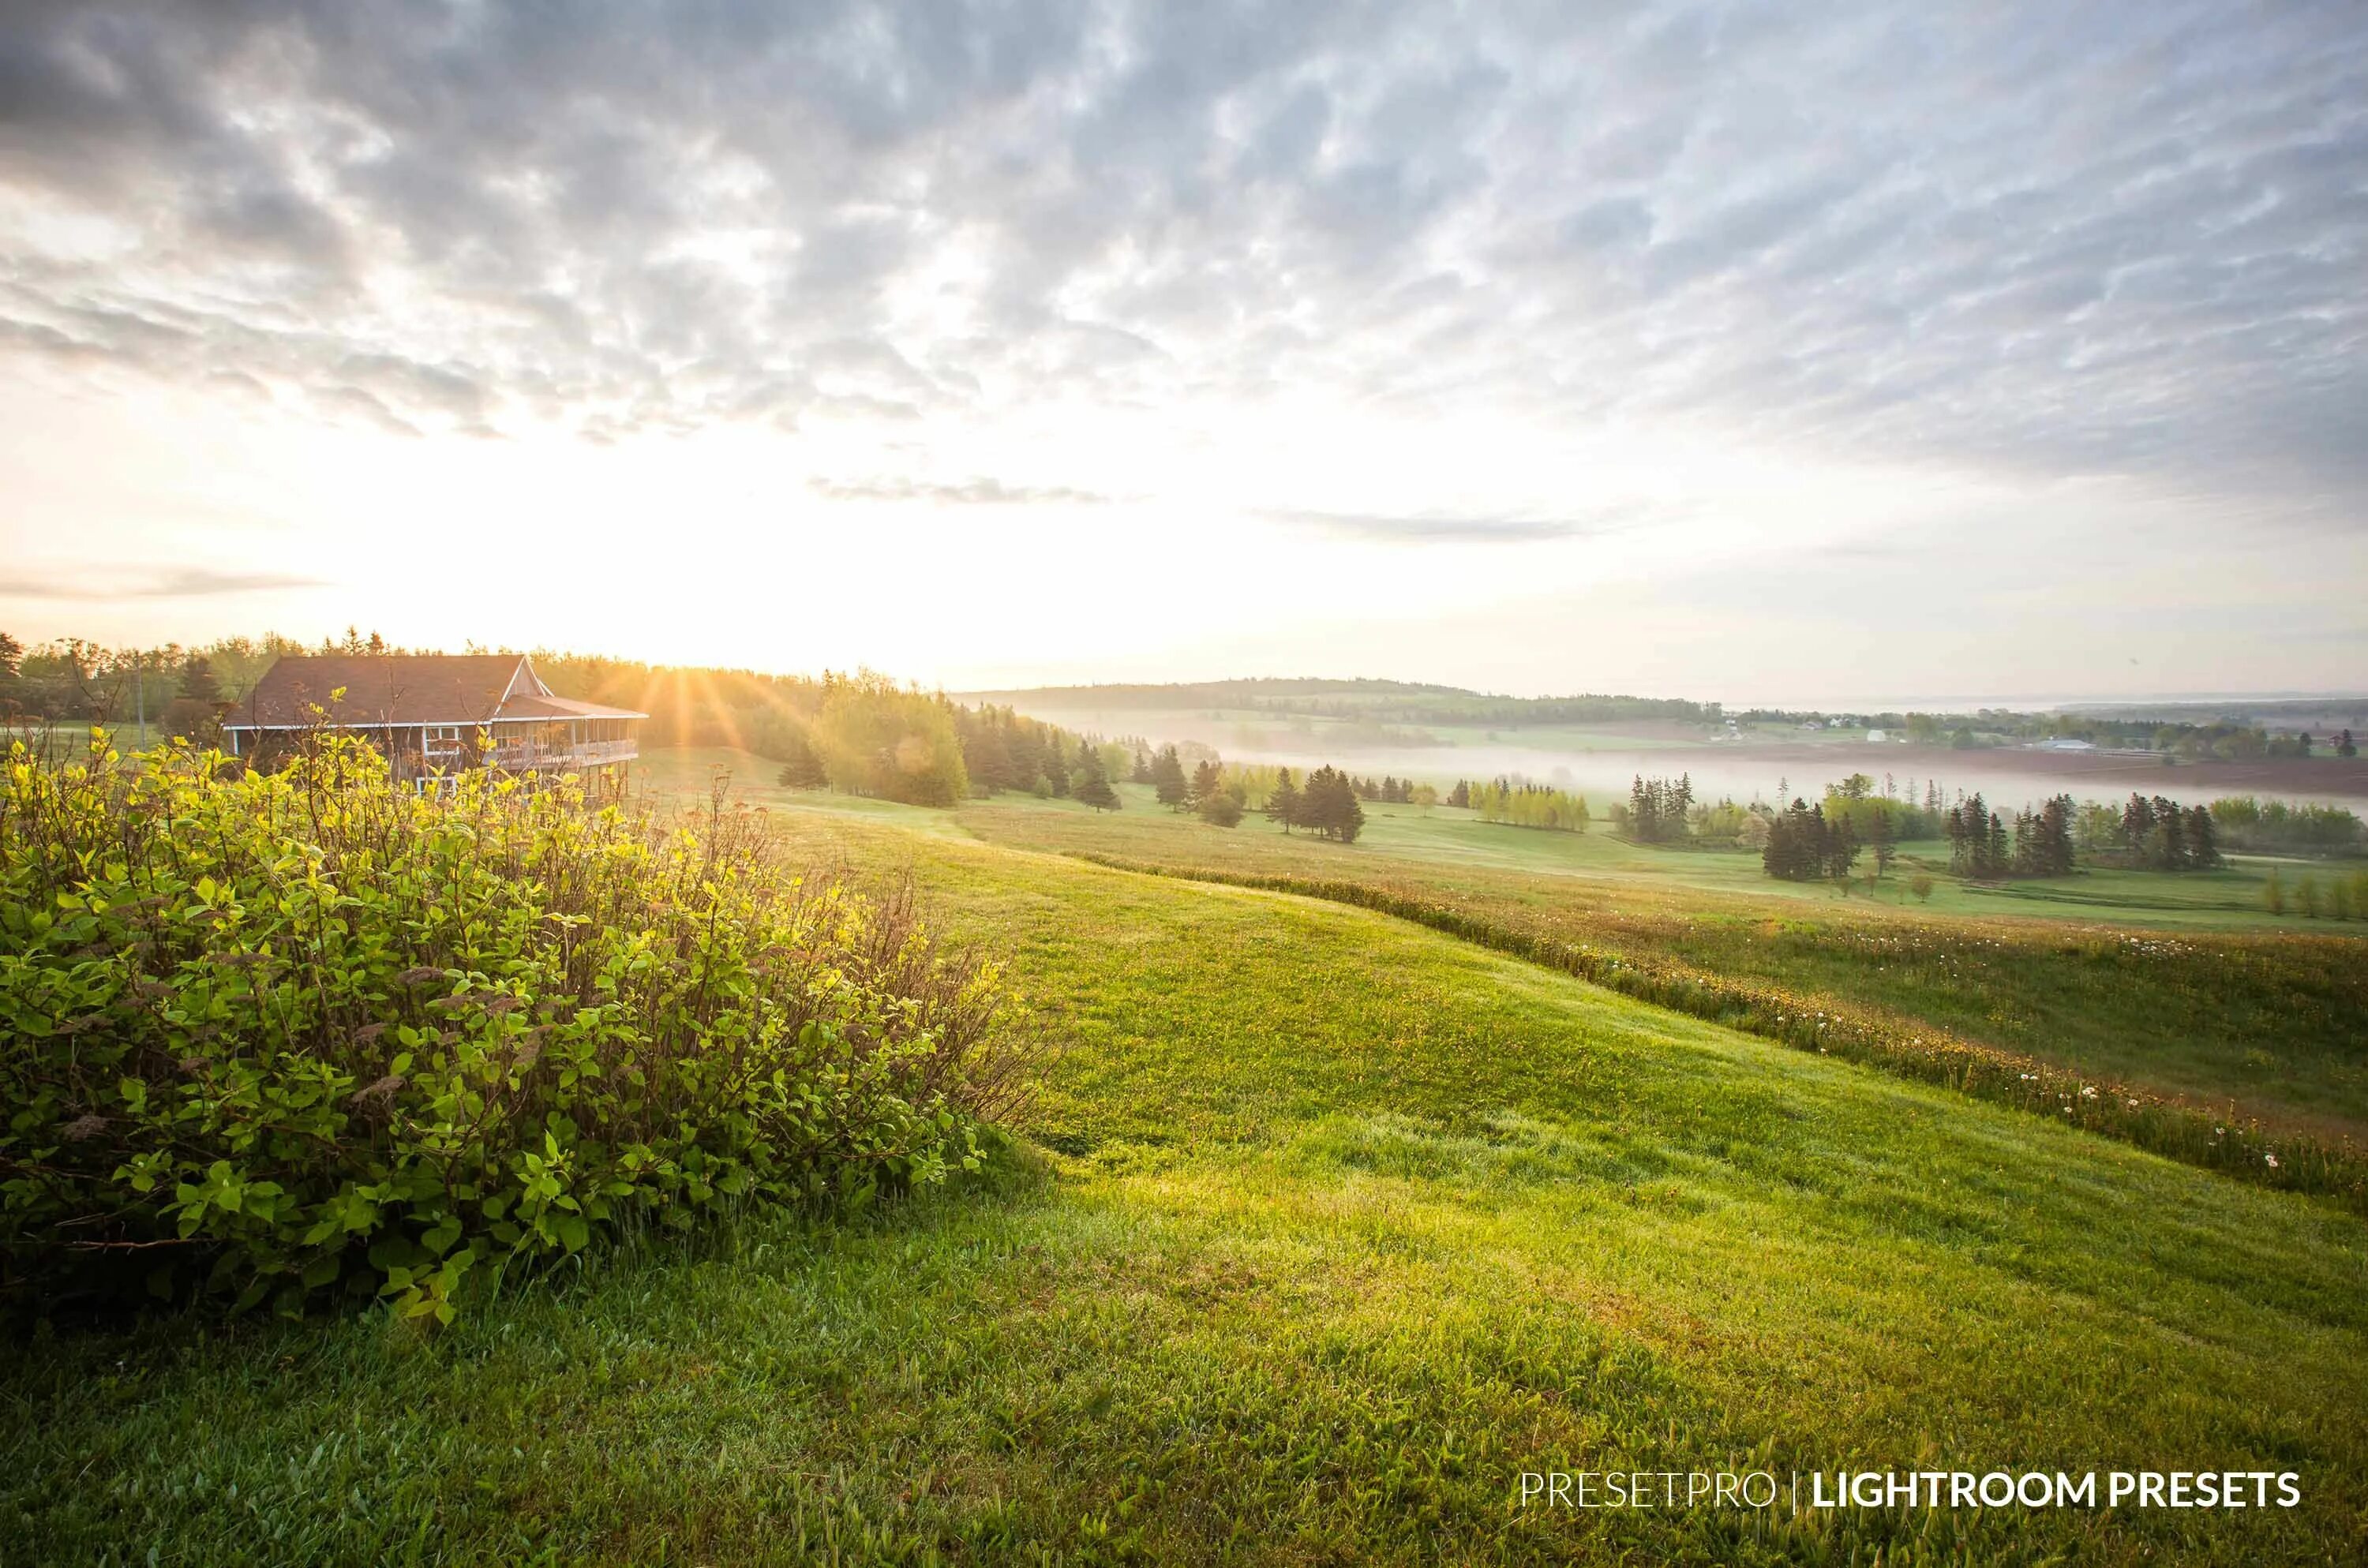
(1771, 762)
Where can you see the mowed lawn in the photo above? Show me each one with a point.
(1323, 1229)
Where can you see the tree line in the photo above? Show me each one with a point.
(1370, 701)
(1518, 803)
(1325, 802)
(2160, 835)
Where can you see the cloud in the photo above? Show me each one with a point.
(2026, 239)
(170, 583)
(983, 492)
(1440, 528)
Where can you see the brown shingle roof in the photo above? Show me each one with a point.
(530, 705)
(430, 689)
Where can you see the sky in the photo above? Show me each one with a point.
(1741, 351)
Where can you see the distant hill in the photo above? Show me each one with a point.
(1373, 701)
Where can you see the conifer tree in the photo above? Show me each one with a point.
(1282, 801)
(1093, 787)
(2202, 839)
(1167, 779)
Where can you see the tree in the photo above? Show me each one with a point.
(1879, 830)
(986, 755)
(1460, 796)
(876, 739)
(1208, 779)
(1282, 801)
(1093, 785)
(2344, 744)
(2202, 839)
(1167, 779)
(2055, 820)
(1220, 808)
(1056, 765)
(195, 712)
(1803, 845)
(1328, 805)
(802, 766)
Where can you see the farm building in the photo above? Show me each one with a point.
(433, 714)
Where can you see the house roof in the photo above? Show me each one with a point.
(363, 691)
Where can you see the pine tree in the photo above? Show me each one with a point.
(1460, 796)
(1056, 764)
(802, 765)
(2202, 839)
(1167, 778)
(2138, 823)
(987, 756)
(2344, 744)
(2056, 836)
(1347, 817)
(1141, 774)
(1880, 831)
(1093, 787)
(1207, 780)
(1282, 801)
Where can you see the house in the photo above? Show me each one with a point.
(2063, 742)
(434, 714)
(1878, 736)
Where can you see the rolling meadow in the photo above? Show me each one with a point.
(1327, 1220)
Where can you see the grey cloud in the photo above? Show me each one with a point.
(2030, 238)
(171, 583)
(1447, 527)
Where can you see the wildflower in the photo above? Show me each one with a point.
(2273, 1159)
(84, 1127)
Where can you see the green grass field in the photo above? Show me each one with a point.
(1322, 1228)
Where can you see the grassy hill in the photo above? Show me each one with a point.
(1323, 1229)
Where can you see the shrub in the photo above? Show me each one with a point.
(275, 1035)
